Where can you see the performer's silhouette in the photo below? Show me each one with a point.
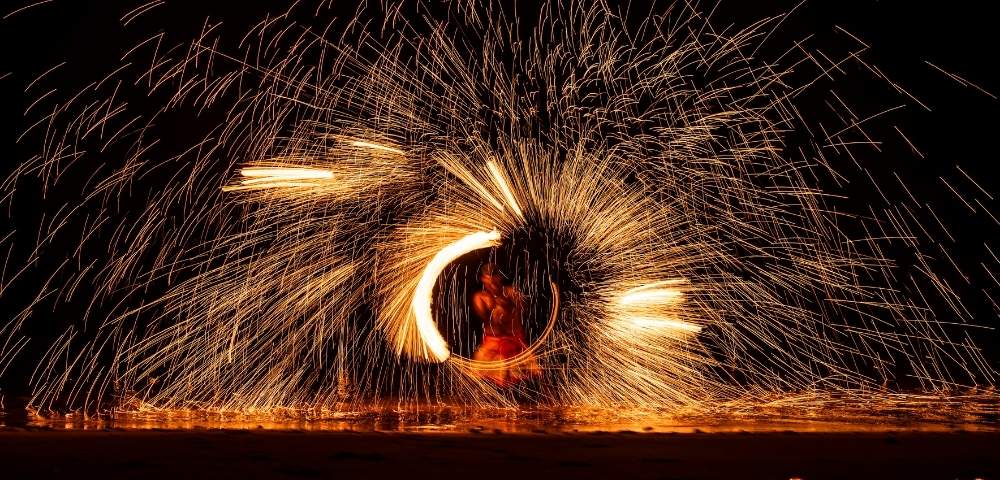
(500, 307)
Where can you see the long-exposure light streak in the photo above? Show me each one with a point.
(504, 186)
(657, 323)
(269, 177)
(652, 294)
(435, 346)
(376, 146)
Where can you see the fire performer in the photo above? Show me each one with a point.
(500, 308)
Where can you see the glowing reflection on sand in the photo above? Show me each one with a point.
(971, 416)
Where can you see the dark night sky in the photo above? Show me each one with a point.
(958, 35)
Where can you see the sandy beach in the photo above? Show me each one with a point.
(28, 453)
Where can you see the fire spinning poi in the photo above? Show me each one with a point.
(669, 245)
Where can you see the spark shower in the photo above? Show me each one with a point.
(678, 216)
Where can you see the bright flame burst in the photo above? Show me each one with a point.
(263, 177)
(695, 257)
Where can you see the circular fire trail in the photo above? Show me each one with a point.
(673, 220)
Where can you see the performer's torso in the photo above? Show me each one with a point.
(504, 312)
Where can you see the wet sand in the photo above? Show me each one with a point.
(28, 453)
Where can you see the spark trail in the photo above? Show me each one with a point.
(298, 255)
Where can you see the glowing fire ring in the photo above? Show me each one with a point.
(431, 337)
